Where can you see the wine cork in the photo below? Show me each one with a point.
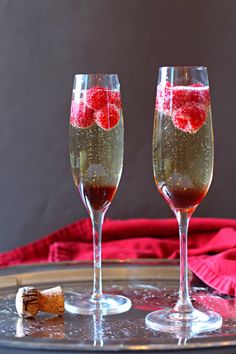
(29, 301)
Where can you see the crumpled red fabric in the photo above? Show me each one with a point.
(212, 246)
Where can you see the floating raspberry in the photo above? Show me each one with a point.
(201, 95)
(107, 117)
(189, 118)
(114, 98)
(96, 97)
(170, 98)
(81, 116)
(179, 97)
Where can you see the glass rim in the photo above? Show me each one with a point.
(97, 74)
(189, 67)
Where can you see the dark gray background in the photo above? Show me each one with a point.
(43, 43)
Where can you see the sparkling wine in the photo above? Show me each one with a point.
(183, 162)
(96, 160)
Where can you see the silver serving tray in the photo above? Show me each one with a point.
(147, 283)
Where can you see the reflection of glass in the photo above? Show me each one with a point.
(96, 154)
(183, 166)
(98, 334)
(52, 327)
(182, 340)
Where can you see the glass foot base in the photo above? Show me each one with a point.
(85, 305)
(170, 321)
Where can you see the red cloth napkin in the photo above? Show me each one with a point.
(212, 246)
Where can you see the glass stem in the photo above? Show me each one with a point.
(97, 221)
(183, 304)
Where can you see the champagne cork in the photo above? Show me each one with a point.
(29, 301)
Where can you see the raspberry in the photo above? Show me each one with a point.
(179, 97)
(189, 118)
(96, 97)
(200, 96)
(81, 116)
(114, 98)
(107, 117)
(170, 98)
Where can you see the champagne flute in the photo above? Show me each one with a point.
(96, 155)
(183, 152)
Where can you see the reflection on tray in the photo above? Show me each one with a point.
(52, 327)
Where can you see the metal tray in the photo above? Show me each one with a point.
(147, 283)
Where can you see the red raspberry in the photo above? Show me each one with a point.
(96, 97)
(189, 118)
(114, 98)
(200, 96)
(170, 98)
(107, 117)
(81, 116)
(187, 95)
(179, 97)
